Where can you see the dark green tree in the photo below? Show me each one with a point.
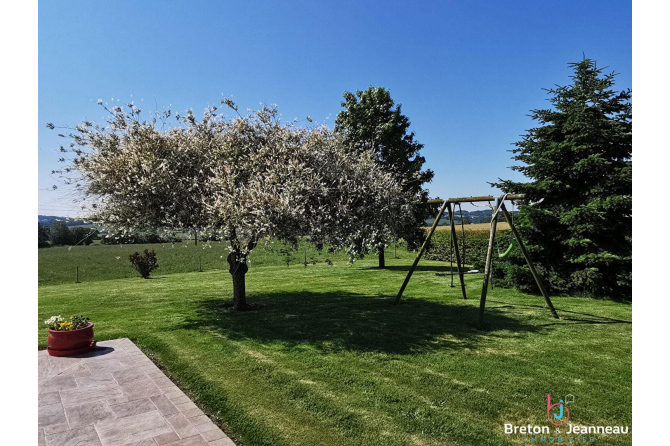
(83, 236)
(578, 161)
(60, 234)
(372, 121)
(42, 236)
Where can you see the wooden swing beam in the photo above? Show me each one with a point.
(447, 204)
(511, 197)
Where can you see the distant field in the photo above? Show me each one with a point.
(58, 265)
(502, 226)
(84, 225)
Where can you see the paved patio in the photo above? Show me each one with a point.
(115, 396)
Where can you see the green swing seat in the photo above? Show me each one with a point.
(509, 249)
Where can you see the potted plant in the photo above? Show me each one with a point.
(71, 336)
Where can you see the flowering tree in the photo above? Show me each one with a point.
(244, 179)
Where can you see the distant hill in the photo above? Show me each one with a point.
(471, 216)
(47, 220)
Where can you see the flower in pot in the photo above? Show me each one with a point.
(71, 336)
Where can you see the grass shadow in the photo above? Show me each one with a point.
(405, 268)
(577, 317)
(333, 321)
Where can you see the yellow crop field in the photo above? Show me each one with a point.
(475, 227)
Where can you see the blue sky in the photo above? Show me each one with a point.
(466, 73)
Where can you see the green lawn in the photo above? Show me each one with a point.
(329, 361)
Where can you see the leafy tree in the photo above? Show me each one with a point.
(501, 218)
(83, 236)
(579, 226)
(141, 237)
(247, 179)
(43, 236)
(371, 121)
(59, 234)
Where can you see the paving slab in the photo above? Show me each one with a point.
(115, 396)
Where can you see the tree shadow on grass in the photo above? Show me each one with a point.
(405, 268)
(333, 321)
(574, 317)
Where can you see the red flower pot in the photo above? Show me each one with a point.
(72, 342)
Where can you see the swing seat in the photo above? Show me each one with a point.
(509, 249)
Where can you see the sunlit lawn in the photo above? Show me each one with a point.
(328, 360)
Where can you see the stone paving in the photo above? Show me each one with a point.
(115, 396)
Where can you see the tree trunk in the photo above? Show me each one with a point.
(238, 269)
(382, 260)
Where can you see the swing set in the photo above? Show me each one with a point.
(501, 255)
(450, 206)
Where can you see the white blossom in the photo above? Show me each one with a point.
(241, 180)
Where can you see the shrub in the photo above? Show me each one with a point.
(476, 245)
(144, 263)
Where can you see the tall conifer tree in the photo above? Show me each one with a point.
(578, 161)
